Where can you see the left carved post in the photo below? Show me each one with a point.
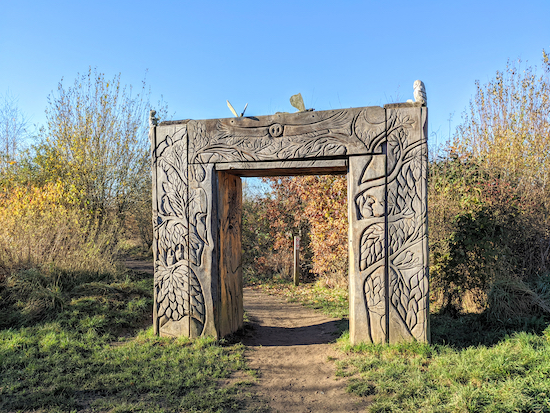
(183, 245)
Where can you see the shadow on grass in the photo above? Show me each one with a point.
(466, 330)
(108, 303)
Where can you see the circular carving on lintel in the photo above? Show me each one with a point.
(276, 130)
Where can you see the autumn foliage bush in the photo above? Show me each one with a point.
(46, 226)
(312, 207)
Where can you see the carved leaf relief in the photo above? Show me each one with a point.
(374, 291)
(372, 246)
(179, 293)
(375, 294)
(409, 297)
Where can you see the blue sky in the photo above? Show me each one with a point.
(336, 53)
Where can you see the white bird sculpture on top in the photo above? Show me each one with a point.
(420, 92)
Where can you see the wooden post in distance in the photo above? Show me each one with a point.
(296, 261)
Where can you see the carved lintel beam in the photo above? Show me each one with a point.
(304, 135)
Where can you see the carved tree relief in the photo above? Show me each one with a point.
(407, 217)
(197, 248)
(179, 236)
(390, 207)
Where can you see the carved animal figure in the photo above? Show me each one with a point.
(420, 92)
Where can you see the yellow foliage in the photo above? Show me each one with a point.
(44, 225)
(507, 125)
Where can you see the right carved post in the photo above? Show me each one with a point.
(388, 252)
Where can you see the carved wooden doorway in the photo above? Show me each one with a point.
(197, 167)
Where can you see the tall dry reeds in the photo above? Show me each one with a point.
(44, 226)
(49, 244)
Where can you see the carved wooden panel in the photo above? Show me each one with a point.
(407, 225)
(332, 133)
(173, 312)
(196, 202)
(367, 253)
(388, 234)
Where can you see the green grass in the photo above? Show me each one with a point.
(91, 348)
(512, 376)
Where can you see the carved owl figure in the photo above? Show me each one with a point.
(420, 92)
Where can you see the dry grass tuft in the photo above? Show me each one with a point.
(512, 298)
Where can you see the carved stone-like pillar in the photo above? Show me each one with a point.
(185, 229)
(407, 224)
(388, 250)
(171, 311)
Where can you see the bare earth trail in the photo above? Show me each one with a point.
(290, 347)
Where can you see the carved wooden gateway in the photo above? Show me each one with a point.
(197, 167)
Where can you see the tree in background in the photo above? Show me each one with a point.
(312, 207)
(507, 126)
(96, 140)
(13, 129)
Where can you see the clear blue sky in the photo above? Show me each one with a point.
(336, 53)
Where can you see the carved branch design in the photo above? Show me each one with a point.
(375, 300)
(408, 282)
(406, 217)
(324, 134)
(180, 238)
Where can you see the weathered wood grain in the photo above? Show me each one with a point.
(197, 213)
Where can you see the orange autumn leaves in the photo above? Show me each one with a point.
(315, 208)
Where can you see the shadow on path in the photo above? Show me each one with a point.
(262, 335)
(290, 348)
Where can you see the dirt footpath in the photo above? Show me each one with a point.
(288, 345)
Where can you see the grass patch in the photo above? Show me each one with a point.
(512, 376)
(93, 350)
(467, 330)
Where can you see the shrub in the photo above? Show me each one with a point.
(46, 226)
